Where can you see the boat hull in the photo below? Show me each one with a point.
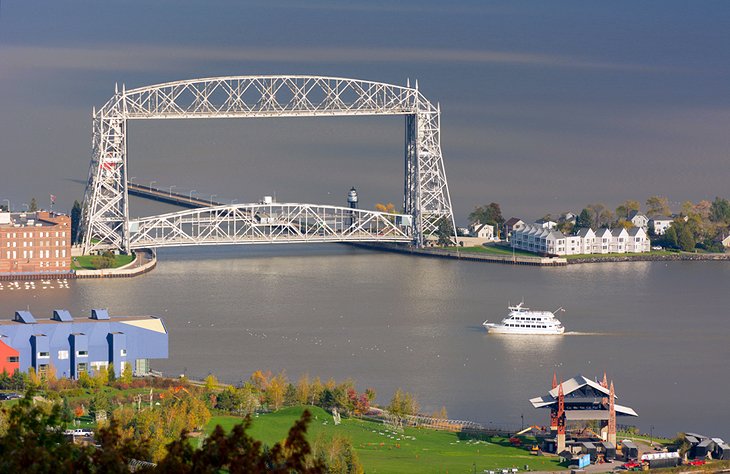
(496, 329)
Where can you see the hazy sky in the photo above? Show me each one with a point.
(546, 106)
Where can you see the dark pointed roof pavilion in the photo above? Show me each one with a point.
(584, 400)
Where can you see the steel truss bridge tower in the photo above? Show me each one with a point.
(105, 222)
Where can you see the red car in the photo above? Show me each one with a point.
(696, 462)
(631, 465)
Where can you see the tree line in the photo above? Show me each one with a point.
(33, 441)
(151, 419)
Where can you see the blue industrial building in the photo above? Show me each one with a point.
(73, 346)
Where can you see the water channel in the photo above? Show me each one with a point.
(660, 330)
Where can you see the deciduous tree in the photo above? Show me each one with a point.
(625, 208)
(276, 390)
(657, 206)
(390, 207)
(720, 210)
(211, 383)
(303, 389)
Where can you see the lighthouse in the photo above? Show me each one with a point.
(352, 204)
(352, 198)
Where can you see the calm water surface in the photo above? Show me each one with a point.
(660, 330)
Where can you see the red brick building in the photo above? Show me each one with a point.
(35, 242)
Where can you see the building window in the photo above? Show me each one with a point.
(123, 352)
(42, 370)
(81, 368)
(62, 355)
(12, 359)
(82, 353)
(44, 355)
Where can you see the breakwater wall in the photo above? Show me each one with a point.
(654, 258)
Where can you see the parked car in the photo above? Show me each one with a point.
(79, 432)
(696, 462)
(10, 396)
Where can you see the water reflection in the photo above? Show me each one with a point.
(524, 348)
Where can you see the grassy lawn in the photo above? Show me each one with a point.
(493, 250)
(382, 450)
(86, 262)
(612, 255)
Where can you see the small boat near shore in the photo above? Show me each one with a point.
(521, 320)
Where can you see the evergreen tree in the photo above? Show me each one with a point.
(33, 205)
(685, 239)
(445, 232)
(584, 220)
(670, 238)
(75, 220)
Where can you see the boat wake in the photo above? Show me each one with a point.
(579, 333)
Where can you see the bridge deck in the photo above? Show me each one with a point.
(268, 223)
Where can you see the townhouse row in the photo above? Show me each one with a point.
(543, 240)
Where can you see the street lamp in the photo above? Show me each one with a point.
(651, 436)
(171, 189)
(27, 207)
(131, 180)
(211, 198)
(190, 195)
(151, 183)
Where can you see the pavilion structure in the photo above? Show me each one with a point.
(582, 399)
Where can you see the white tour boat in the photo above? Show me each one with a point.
(522, 320)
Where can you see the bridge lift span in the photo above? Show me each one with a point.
(105, 222)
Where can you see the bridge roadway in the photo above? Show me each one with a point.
(224, 224)
(183, 200)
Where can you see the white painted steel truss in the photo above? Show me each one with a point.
(105, 218)
(268, 223)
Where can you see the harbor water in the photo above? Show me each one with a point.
(661, 330)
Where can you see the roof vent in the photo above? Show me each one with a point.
(62, 315)
(99, 314)
(24, 317)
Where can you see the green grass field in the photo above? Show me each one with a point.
(492, 250)
(85, 262)
(382, 450)
(613, 255)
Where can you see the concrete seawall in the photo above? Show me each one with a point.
(145, 261)
(539, 261)
(457, 255)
